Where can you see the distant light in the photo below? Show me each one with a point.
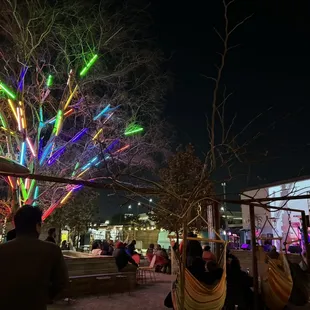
(222, 208)
(107, 222)
(129, 207)
(139, 203)
(224, 233)
(223, 184)
(150, 200)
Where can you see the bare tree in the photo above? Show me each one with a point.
(81, 93)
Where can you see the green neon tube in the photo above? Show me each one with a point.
(88, 65)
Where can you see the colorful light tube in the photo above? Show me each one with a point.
(133, 130)
(31, 147)
(23, 153)
(88, 65)
(105, 110)
(21, 79)
(58, 122)
(7, 91)
(122, 149)
(79, 135)
(97, 134)
(11, 104)
(63, 200)
(45, 153)
(70, 97)
(56, 155)
(49, 81)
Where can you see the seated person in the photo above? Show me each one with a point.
(150, 252)
(273, 254)
(96, 250)
(122, 259)
(239, 285)
(162, 260)
(207, 255)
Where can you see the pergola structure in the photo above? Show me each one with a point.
(19, 171)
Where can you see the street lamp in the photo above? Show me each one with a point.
(151, 200)
(139, 203)
(129, 207)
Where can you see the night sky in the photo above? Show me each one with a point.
(268, 73)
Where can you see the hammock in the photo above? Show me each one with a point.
(199, 296)
(277, 285)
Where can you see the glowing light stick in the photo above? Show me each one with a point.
(41, 114)
(19, 120)
(10, 182)
(23, 153)
(58, 122)
(111, 146)
(45, 153)
(78, 176)
(9, 131)
(21, 80)
(52, 120)
(88, 65)
(70, 97)
(132, 130)
(49, 81)
(2, 119)
(49, 211)
(31, 147)
(75, 168)
(27, 183)
(22, 116)
(79, 135)
(36, 195)
(92, 161)
(108, 118)
(11, 104)
(32, 184)
(97, 134)
(7, 91)
(56, 155)
(122, 149)
(40, 148)
(63, 200)
(102, 112)
(24, 192)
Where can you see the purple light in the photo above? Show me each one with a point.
(111, 146)
(40, 148)
(56, 155)
(21, 80)
(76, 188)
(79, 135)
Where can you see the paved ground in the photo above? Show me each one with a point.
(146, 297)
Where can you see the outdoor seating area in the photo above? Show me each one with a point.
(92, 275)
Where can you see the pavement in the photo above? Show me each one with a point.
(150, 296)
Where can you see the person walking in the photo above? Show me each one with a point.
(32, 272)
(51, 235)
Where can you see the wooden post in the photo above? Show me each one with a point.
(305, 233)
(183, 264)
(254, 256)
(216, 220)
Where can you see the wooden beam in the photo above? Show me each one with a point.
(111, 185)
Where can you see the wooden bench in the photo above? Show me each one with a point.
(91, 275)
